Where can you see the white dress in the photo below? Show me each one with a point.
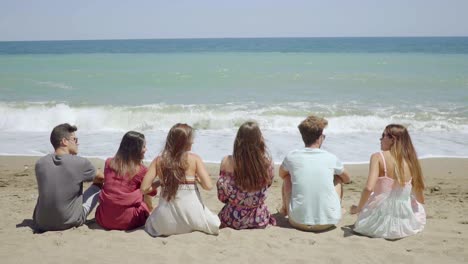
(391, 212)
(185, 213)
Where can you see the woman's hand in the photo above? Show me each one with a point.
(147, 183)
(156, 184)
(197, 179)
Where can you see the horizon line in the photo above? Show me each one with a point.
(211, 38)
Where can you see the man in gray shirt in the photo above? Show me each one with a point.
(61, 203)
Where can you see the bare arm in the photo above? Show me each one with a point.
(202, 175)
(283, 173)
(286, 190)
(148, 201)
(224, 165)
(99, 178)
(371, 181)
(345, 177)
(419, 194)
(147, 183)
(223, 195)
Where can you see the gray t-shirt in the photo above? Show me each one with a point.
(60, 185)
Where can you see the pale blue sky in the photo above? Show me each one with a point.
(114, 19)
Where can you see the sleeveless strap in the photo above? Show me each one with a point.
(384, 163)
(189, 180)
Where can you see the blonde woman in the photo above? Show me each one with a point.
(180, 208)
(244, 178)
(391, 202)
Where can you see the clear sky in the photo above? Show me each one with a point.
(122, 19)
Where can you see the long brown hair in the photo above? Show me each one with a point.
(130, 154)
(251, 159)
(403, 152)
(173, 162)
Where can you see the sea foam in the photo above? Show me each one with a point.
(279, 117)
(353, 132)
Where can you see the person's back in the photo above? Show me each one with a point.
(185, 212)
(180, 209)
(121, 204)
(243, 181)
(60, 185)
(312, 186)
(387, 182)
(243, 209)
(61, 203)
(314, 200)
(391, 211)
(391, 202)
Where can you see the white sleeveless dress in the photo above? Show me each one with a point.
(391, 212)
(183, 214)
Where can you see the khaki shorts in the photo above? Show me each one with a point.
(313, 228)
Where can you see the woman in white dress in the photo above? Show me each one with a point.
(391, 204)
(180, 208)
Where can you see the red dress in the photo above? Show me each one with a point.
(121, 204)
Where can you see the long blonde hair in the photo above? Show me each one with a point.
(251, 160)
(402, 151)
(174, 162)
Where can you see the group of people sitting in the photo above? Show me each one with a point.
(390, 205)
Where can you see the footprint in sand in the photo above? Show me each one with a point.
(302, 241)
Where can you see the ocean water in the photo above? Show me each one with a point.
(359, 84)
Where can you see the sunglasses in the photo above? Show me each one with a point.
(75, 139)
(386, 135)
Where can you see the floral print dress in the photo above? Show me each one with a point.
(242, 210)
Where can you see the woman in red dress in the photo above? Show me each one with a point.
(121, 203)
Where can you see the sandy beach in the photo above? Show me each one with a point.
(444, 239)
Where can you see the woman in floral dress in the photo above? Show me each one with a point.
(244, 179)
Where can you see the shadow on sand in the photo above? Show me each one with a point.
(29, 223)
(283, 222)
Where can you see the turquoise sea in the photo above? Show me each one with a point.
(359, 84)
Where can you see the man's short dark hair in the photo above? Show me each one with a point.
(60, 132)
(311, 129)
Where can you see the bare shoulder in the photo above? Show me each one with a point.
(227, 163)
(375, 156)
(194, 160)
(193, 157)
(157, 160)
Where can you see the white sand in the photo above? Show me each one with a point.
(444, 240)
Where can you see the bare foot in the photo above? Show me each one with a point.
(354, 209)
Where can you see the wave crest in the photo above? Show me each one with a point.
(352, 118)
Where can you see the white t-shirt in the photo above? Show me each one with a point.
(314, 200)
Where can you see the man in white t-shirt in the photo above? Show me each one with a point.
(313, 178)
